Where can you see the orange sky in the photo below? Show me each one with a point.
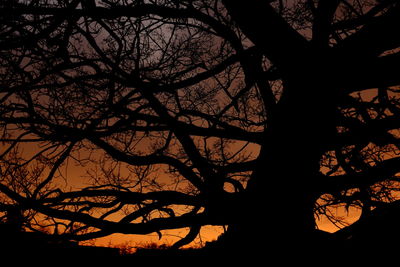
(208, 233)
(76, 176)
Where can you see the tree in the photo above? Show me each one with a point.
(259, 115)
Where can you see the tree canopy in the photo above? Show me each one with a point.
(181, 114)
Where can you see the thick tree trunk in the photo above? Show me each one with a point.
(278, 206)
(280, 197)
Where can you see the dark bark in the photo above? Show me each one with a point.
(280, 197)
(279, 200)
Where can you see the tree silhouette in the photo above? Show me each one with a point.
(259, 115)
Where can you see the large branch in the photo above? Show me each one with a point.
(378, 173)
(148, 227)
(283, 45)
(376, 131)
(106, 226)
(323, 17)
(165, 197)
(151, 226)
(383, 218)
(359, 58)
(372, 73)
(375, 37)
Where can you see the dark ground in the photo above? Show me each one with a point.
(24, 247)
